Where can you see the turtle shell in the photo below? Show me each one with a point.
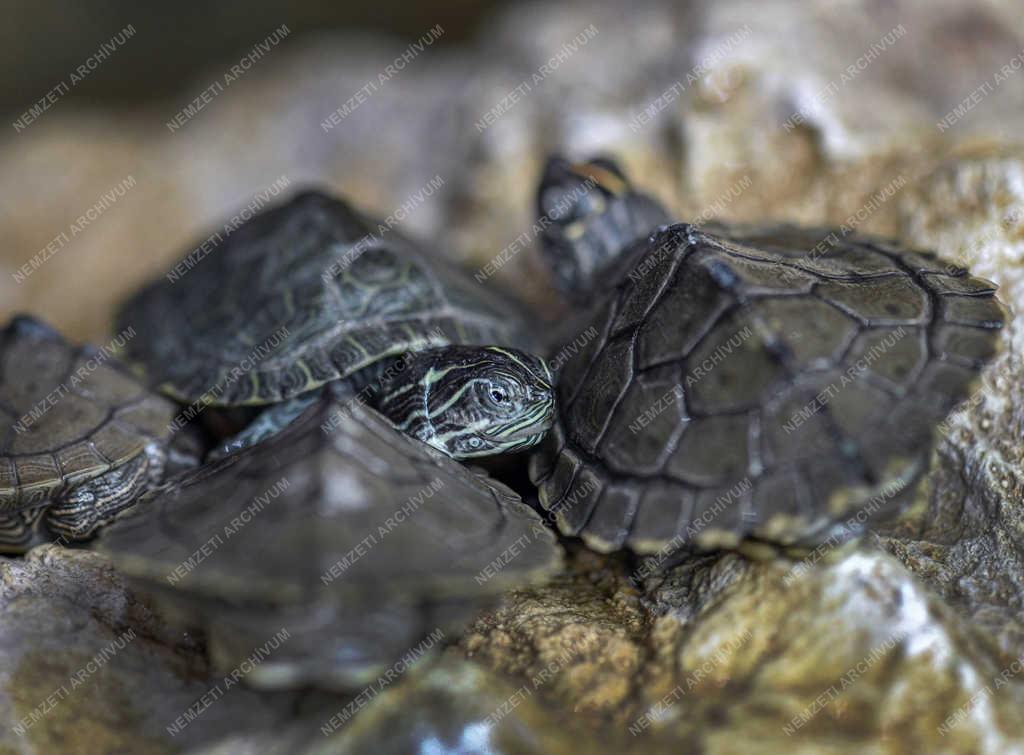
(301, 294)
(67, 414)
(355, 539)
(765, 383)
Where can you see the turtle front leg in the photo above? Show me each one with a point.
(79, 513)
(269, 422)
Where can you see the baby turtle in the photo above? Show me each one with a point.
(777, 383)
(592, 206)
(345, 539)
(313, 292)
(82, 437)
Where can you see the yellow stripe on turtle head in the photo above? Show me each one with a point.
(606, 179)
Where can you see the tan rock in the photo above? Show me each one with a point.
(968, 542)
(852, 655)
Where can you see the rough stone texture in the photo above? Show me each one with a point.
(87, 667)
(719, 654)
(968, 544)
(588, 625)
(730, 658)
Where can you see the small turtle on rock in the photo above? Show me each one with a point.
(327, 519)
(82, 439)
(775, 383)
(311, 292)
(742, 383)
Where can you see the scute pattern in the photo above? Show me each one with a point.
(766, 383)
(68, 415)
(304, 293)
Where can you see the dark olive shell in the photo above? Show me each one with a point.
(303, 293)
(68, 414)
(764, 383)
(355, 539)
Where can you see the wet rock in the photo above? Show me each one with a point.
(453, 705)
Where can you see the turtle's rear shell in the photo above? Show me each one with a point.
(768, 383)
(356, 539)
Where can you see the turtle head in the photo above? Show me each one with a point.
(470, 401)
(590, 213)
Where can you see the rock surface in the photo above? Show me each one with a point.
(968, 543)
(443, 705)
(847, 654)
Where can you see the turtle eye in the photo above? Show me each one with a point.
(498, 394)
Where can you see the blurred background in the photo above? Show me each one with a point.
(41, 42)
(130, 134)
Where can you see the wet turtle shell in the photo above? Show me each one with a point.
(70, 416)
(774, 383)
(301, 294)
(356, 540)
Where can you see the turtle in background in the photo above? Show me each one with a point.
(81, 438)
(340, 541)
(311, 292)
(595, 213)
(773, 383)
